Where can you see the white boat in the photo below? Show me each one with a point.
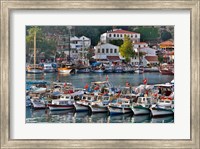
(139, 70)
(48, 68)
(65, 102)
(37, 103)
(34, 69)
(163, 108)
(142, 105)
(83, 104)
(101, 105)
(119, 106)
(35, 89)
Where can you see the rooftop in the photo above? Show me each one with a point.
(121, 31)
(151, 58)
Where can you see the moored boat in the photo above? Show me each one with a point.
(119, 106)
(37, 103)
(65, 102)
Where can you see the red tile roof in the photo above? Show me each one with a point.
(140, 43)
(151, 58)
(122, 31)
(167, 43)
(113, 58)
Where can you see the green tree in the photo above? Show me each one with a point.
(160, 59)
(165, 35)
(126, 49)
(117, 42)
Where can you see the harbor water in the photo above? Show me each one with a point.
(79, 81)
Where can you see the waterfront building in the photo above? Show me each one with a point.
(106, 52)
(78, 46)
(140, 45)
(118, 34)
(167, 45)
(152, 60)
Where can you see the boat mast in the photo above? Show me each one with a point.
(34, 48)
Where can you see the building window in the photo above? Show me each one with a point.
(115, 51)
(135, 36)
(117, 35)
(110, 35)
(107, 51)
(98, 50)
(139, 46)
(114, 35)
(120, 35)
(131, 36)
(102, 50)
(111, 50)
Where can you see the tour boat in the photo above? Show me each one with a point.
(142, 106)
(65, 69)
(119, 106)
(83, 104)
(65, 102)
(35, 68)
(101, 105)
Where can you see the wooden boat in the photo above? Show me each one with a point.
(119, 106)
(163, 108)
(142, 105)
(65, 102)
(35, 68)
(101, 105)
(166, 69)
(66, 69)
(37, 103)
(83, 104)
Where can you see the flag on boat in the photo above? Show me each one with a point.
(107, 78)
(145, 81)
(86, 86)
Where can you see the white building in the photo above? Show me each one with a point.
(140, 45)
(107, 51)
(148, 51)
(116, 34)
(152, 60)
(77, 46)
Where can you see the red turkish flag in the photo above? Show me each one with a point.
(145, 81)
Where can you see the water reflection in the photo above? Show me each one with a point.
(70, 116)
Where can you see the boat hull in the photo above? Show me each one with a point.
(139, 110)
(66, 71)
(35, 71)
(96, 108)
(80, 107)
(118, 110)
(49, 70)
(53, 107)
(161, 112)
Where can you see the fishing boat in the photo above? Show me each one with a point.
(142, 105)
(83, 104)
(109, 69)
(98, 69)
(38, 103)
(166, 69)
(101, 105)
(65, 102)
(163, 108)
(119, 106)
(37, 89)
(35, 68)
(48, 68)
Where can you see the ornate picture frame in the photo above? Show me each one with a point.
(8, 6)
